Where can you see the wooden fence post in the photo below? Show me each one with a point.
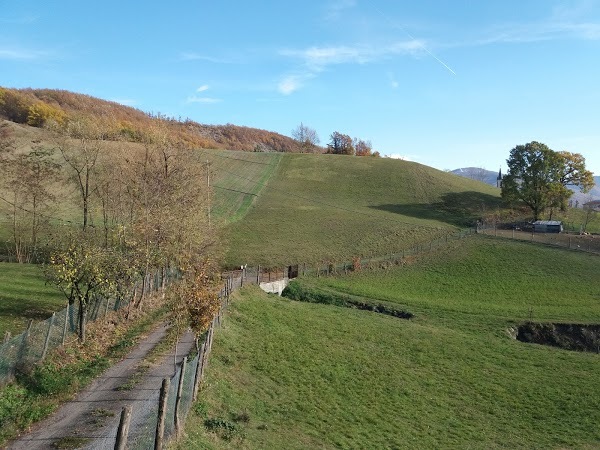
(162, 411)
(123, 430)
(198, 374)
(23, 348)
(47, 341)
(258, 274)
(64, 334)
(178, 424)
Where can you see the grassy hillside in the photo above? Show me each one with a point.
(320, 207)
(296, 375)
(24, 296)
(237, 179)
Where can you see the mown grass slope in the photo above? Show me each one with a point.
(237, 179)
(285, 374)
(331, 207)
(24, 296)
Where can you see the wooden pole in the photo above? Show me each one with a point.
(47, 341)
(123, 430)
(258, 274)
(162, 412)
(64, 334)
(23, 348)
(178, 424)
(198, 374)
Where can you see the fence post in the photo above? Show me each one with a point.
(162, 411)
(198, 374)
(258, 274)
(23, 348)
(123, 430)
(178, 424)
(64, 334)
(47, 341)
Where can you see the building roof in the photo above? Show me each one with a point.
(548, 222)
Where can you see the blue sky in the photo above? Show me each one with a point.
(447, 83)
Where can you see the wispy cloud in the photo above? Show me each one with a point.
(317, 58)
(393, 82)
(205, 100)
(192, 56)
(335, 8)
(22, 54)
(542, 31)
(291, 83)
(203, 88)
(314, 60)
(569, 20)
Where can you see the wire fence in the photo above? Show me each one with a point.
(154, 421)
(573, 241)
(262, 275)
(30, 347)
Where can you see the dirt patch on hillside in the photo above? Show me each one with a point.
(584, 338)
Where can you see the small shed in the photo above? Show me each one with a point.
(547, 226)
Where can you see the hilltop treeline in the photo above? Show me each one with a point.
(39, 107)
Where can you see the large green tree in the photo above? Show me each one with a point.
(539, 177)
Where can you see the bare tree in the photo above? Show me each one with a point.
(307, 138)
(27, 177)
(79, 144)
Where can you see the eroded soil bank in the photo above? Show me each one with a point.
(585, 338)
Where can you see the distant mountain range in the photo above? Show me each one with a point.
(490, 177)
(477, 173)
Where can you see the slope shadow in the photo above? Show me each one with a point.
(455, 208)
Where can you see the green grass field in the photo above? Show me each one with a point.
(237, 178)
(24, 296)
(286, 374)
(330, 207)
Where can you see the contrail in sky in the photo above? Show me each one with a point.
(397, 25)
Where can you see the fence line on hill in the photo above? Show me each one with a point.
(32, 345)
(259, 275)
(580, 242)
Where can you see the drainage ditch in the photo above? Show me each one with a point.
(298, 292)
(577, 337)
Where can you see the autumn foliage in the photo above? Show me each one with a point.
(39, 107)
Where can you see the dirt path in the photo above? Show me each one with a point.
(89, 420)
